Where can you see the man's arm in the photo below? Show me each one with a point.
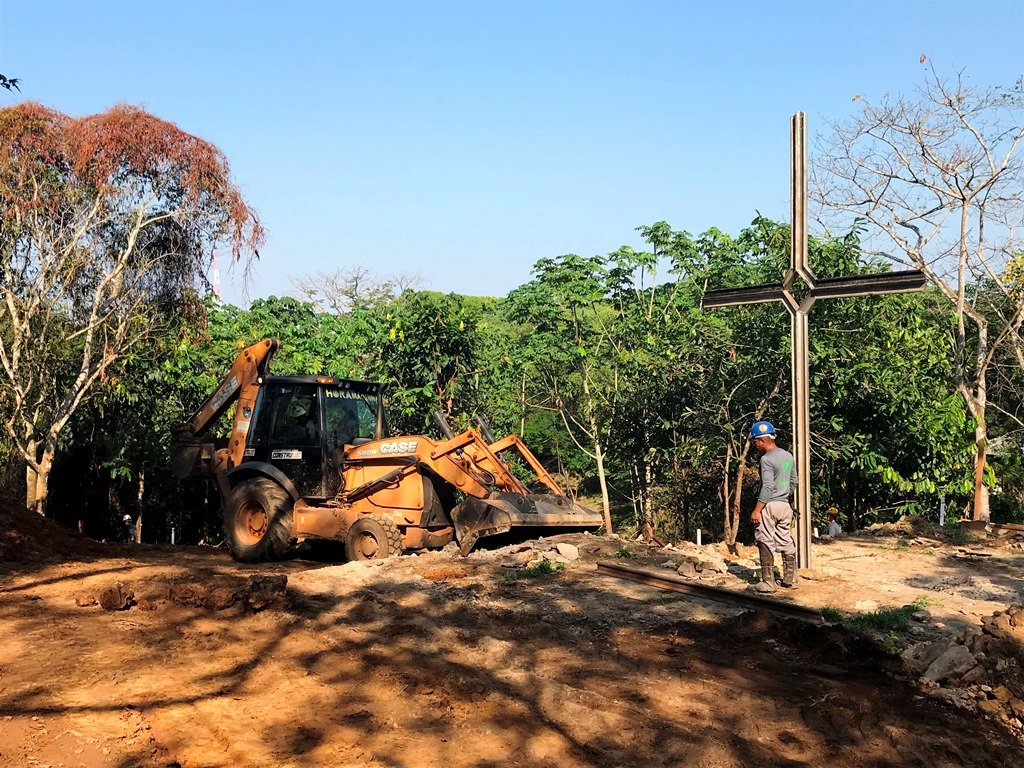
(755, 516)
(767, 483)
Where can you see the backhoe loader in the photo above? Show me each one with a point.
(308, 458)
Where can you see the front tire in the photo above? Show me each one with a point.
(372, 538)
(258, 521)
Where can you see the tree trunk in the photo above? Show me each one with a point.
(598, 453)
(981, 508)
(30, 487)
(976, 404)
(603, 482)
(733, 526)
(648, 499)
(138, 519)
(726, 490)
(41, 493)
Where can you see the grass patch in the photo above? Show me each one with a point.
(624, 553)
(884, 621)
(543, 568)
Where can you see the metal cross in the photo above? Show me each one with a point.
(799, 309)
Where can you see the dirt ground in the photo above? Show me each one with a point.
(438, 660)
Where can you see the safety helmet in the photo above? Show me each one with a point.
(762, 429)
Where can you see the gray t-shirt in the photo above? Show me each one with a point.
(778, 476)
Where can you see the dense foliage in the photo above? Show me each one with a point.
(608, 357)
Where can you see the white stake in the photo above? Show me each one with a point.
(698, 537)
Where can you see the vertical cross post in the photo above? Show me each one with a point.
(799, 310)
(800, 329)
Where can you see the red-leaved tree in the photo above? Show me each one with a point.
(107, 223)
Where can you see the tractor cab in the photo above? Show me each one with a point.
(301, 425)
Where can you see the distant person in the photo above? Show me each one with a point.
(773, 514)
(129, 529)
(834, 528)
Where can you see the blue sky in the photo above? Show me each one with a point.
(464, 141)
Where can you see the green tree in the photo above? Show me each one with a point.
(108, 221)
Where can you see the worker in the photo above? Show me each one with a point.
(834, 528)
(773, 514)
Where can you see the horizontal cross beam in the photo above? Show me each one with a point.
(821, 288)
(751, 294)
(869, 285)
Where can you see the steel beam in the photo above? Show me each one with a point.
(827, 288)
(754, 294)
(800, 354)
(869, 285)
(673, 583)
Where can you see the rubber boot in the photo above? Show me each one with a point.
(789, 570)
(767, 583)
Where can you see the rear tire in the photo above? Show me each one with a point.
(258, 521)
(373, 538)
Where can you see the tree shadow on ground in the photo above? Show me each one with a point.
(574, 669)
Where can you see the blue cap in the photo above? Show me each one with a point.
(762, 429)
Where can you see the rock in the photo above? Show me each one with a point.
(84, 601)
(973, 674)
(569, 551)
(711, 564)
(953, 664)
(554, 557)
(1016, 706)
(1002, 693)
(264, 592)
(220, 599)
(668, 564)
(998, 624)
(989, 707)
(920, 656)
(865, 605)
(519, 559)
(687, 570)
(145, 604)
(116, 598)
(939, 625)
(922, 616)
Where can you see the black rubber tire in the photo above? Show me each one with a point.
(373, 537)
(258, 521)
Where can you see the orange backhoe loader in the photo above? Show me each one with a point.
(307, 458)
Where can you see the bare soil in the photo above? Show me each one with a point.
(438, 660)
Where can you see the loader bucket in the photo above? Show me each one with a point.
(185, 455)
(501, 512)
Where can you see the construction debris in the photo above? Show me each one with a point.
(981, 670)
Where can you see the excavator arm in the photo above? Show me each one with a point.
(192, 452)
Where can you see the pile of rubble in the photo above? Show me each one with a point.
(901, 527)
(693, 561)
(982, 670)
(532, 553)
